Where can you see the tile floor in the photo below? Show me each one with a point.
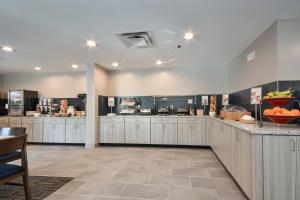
(132, 173)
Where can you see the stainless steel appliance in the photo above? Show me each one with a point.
(146, 111)
(20, 101)
(163, 111)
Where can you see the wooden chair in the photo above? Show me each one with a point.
(13, 149)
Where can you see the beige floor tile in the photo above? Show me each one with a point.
(145, 191)
(212, 183)
(218, 173)
(190, 172)
(231, 195)
(182, 193)
(170, 180)
(139, 178)
(100, 188)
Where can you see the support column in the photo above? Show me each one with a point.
(91, 109)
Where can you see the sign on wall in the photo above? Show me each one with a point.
(204, 100)
(256, 95)
(225, 99)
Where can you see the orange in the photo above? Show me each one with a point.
(278, 114)
(277, 109)
(295, 112)
(287, 113)
(269, 112)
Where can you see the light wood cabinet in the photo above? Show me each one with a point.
(15, 122)
(280, 167)
(137, 133)
(34, 128)
(112, 133)
(54, 131)
(75, 132)
(4, 122)
(191, 131)
(163, 133)
(298, 169)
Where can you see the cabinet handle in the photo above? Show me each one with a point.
(292, 145)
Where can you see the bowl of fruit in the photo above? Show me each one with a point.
(281, 115)
(277, 98)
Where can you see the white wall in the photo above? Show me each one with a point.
(289, 49)
(67, 84)
(243, 74)
(183, 81)
(101, 80)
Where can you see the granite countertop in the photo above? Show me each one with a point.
(154, 116)
(267, 128)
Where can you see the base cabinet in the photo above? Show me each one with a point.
(54, 131)
(164, 133)
(112, 133)
(75, 133)
(3, 122)
(191, 131)
(137, 133)
(280, 167)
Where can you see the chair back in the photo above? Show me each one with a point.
(13, 144)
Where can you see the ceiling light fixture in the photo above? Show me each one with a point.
(159, 62)
(74, 66)
(91, 43)
(37, 68)
(115, 64)
(188, 35)
(7, 49)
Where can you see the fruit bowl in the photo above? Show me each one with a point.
(281, 119)
(279, 101)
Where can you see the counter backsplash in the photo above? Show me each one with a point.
(242, 97)
(148, 102)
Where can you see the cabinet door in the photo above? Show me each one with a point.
(198, 136)
(298, 169)
(137, 133)
(28, 132)
(226, 137)
(60, 133)
(184, 134)
(75, 133)
(37, 132)
(279, 163)
(170, 134)
(54, 133)
(209, 130)
(246, 164)
(236, 156)
(143, 133)
(157, 133)
(15, 125)
(118, 133)
(106, 134)
(48, 132)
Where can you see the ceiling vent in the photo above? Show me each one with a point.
(141, 39)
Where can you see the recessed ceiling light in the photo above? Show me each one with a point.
(37, 68)
(188, 35)
(7, 49)
(115, 64)
(91, 43)
(159, 62)
(74, 66)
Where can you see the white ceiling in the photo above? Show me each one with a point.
(52, 33)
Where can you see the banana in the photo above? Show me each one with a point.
(277, 94)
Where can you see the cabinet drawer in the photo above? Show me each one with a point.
(191, 120)
(163, 120)
(53, 120)
(15, 120)
(112, 119)
(3, 120)
(137, 119)
(76, 120)
(32, 120)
